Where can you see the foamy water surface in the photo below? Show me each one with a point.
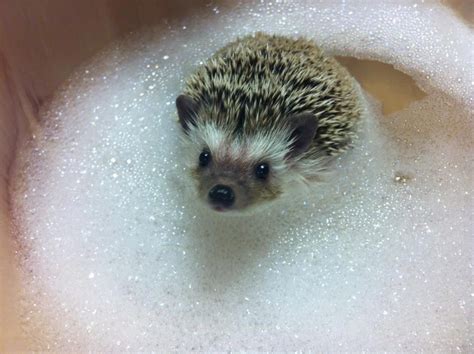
(117, 254)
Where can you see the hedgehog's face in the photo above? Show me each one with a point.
(230, 180)
(237, 173)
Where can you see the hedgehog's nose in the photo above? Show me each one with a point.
(222, 196)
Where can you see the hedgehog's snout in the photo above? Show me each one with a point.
(221, 196)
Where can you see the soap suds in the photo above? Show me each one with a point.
(117, 254)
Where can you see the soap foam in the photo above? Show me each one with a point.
(117, 254)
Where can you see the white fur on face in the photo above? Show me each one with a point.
(270, 147)
(200, 137)
(261, 147)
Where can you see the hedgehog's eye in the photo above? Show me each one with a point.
(262, 170)
(204, 158)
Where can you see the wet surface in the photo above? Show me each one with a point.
(394, 89)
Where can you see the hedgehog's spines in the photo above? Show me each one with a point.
(257, 82)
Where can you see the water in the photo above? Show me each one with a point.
(117, 254)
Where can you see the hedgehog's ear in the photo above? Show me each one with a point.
(304, 126)
(187, 111)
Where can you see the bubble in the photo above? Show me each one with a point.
(117, 253)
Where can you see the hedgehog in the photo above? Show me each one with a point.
(262, 115)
